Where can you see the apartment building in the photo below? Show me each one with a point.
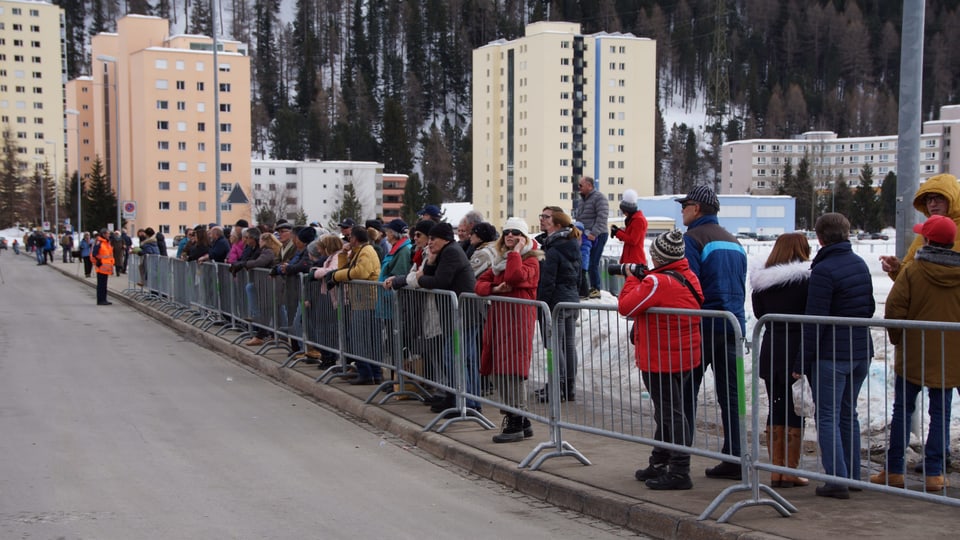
(32, 73)
(557, 105)
(167, 120)
(317, 187)
(80, 131)
(756, 166)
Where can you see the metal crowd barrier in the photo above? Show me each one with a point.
(582, 373)
(866, 428)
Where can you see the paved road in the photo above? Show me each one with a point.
(113, 427)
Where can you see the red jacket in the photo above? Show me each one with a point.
(508, 332)
(663, 343)
(632, 237)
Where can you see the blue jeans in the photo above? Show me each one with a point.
(41, 259)
(938, 433)
(719, 349)
(364, 328)
(836, 385)
(595, 253)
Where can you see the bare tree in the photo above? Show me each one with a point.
(272, 203)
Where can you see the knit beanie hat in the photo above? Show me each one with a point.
(667, 247)
(424, 226)
(443, 231)
(515, 223)
(629, 203)
(486, 232)
(307, 235)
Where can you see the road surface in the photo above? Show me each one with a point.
(114, 427)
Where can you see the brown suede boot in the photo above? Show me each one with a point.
(794, 444)
(775, 445)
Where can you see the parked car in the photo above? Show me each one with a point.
(872, 236)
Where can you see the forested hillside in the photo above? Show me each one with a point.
(389, 80)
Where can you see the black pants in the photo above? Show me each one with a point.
(666, 392)
(87, 266)
(720, 351)
(102, 287)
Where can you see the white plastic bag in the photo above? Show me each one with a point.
(803, 397)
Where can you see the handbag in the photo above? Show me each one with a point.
(803, 403)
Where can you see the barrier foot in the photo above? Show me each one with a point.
(335, 372)
(467, 415)
(756, 501)
(384, 386)
(560, 450)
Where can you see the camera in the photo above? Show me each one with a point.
(617, 269)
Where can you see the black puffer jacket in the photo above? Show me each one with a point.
(560, 269)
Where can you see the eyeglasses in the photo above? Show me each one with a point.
(546, 216)
(686, 204)
(512, 232)
(934, 197)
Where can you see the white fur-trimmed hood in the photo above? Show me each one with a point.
(782, 274)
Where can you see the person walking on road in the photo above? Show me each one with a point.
(102, 259)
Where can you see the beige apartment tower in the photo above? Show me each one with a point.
(32, 73)
(554, 106)
(154, 121)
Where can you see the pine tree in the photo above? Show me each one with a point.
(266, 64)
(800, 187)
(888, 199)
(201, 20)
(395, 146)
(414, 198)
(349, 208)
(11, 184)
(865, 213)
(74, 19)
(437, 164)
(102, 207)
(843, 200)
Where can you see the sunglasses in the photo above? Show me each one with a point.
(546, 216)
(512, 232)
(686, 204)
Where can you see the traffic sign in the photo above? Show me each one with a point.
(129, 209)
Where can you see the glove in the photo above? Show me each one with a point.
(328, 279)
(97, 263)
(235, 267)
(614, 230)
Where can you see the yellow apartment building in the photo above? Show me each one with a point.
(32, 73)
(557, 105)
(171, 102)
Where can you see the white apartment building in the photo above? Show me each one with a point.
(32, 72)
(756, 166)
(557, 105)
(318, 187)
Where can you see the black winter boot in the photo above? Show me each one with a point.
(674, 479)
(527, 428)
(512, 430)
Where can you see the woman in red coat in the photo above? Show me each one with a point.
(508, 332)
(667, 350)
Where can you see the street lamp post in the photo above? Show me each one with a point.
(43, 199)
(56, 191)
(76, 114)
(116, 121)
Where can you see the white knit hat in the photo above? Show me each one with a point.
(518, 224)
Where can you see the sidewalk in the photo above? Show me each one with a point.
(605, 490)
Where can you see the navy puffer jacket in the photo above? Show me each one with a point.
(840, 286)
(559, 269)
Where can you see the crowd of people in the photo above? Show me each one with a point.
(703, 268)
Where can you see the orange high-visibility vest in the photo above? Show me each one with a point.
(105, 255)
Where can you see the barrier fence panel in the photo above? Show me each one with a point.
(133, 274)
(693, 362)
(207, 301)
(264, 294)
(316, 321)
(161, 281)
(872, 384)
(433, 354)
(241, 290)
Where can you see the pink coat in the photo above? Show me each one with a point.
(508, 332)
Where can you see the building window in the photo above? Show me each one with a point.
(163, 145)
(201, 186)
(225, 147)
(226, 128)
(181, 126)
(164, 205)
(182, 146)
(202, 206)
(163, 125)
(181, 105)
(163, 165)
(181, 85)
(161, 84)
(201, 126)
(160, 64)
(224, 107)
(163, 186)
(200, 85)
(182, 206)
(226, 167)
(181, 165)
(179, 65)
(162, 104)
(224, 87)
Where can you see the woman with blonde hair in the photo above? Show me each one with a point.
(780, 286)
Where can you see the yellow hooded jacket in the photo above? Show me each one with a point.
(946, 185)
